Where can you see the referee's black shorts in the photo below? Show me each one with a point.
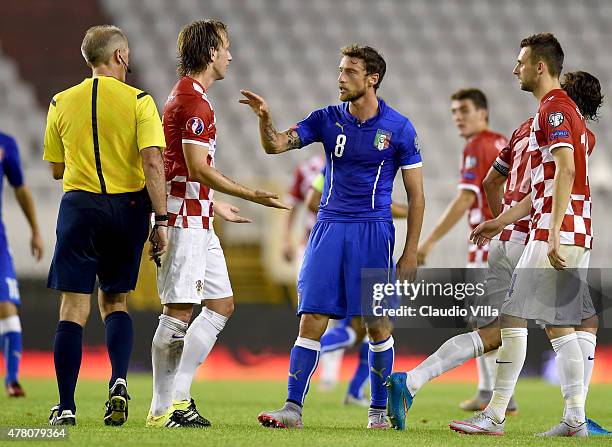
(99, 235)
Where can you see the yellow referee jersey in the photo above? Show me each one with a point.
(97, 128)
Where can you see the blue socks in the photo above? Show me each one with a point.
(119, 343)
(380, 358)
(67, 354)
(302, 364)
(362, 373)
(10, 332)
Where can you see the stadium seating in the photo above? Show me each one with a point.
(288, 51)
(26, 119)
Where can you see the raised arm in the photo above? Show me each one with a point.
(273, 141)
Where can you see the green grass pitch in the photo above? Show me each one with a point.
(232, 408)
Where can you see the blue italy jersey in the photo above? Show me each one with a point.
(362, 160)
(9, 167)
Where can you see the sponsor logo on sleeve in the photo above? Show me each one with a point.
(382, 139)
(195, 125)
(559, 133)
(469, 176)
(555, 119)
(417, 143)
(470, 162)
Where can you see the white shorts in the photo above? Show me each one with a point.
(539, 292)
(193, 268)
(503, 259)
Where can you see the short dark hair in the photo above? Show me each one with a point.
(195, 42)
(585, 91)
(372, 59)
(546, 47)
(475, 95)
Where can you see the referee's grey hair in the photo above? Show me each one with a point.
(100, 42)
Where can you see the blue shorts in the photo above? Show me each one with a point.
(9, 287)
(99, 235)
(330, 279)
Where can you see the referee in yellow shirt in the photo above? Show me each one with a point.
(104, 139)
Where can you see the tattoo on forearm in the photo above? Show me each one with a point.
(294, 139)
(270, 133)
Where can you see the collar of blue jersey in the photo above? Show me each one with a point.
(351, 119)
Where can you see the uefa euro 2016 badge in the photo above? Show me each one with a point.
(382, 139)
(195, 125)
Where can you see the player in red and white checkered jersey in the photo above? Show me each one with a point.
(514, 166)
(479, 154)
(470, 114)
(193, 270)
(560, 238)
(559, 124)
(188, 119)
(304, 174)
(512, 169)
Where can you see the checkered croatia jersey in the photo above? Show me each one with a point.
(559, 123)
(514, 162)
(479, 154)
(188, 118)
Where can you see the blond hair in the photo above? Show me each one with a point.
(100, 42)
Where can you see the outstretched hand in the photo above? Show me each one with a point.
(268, 198)
(257, 104)
(229, 212)
(483, 233)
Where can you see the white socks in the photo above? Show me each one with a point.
(510, 360)
(486, 370)
(570, 365)
(587, 342)
(10, 324)
(166, 350)
(199, 341)
(329, 367)
(454, 352)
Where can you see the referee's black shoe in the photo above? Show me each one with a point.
(67, 417)
(117, 404)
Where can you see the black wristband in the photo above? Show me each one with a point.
(161, 217)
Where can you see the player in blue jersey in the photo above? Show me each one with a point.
(10, 325)
(365, 142)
